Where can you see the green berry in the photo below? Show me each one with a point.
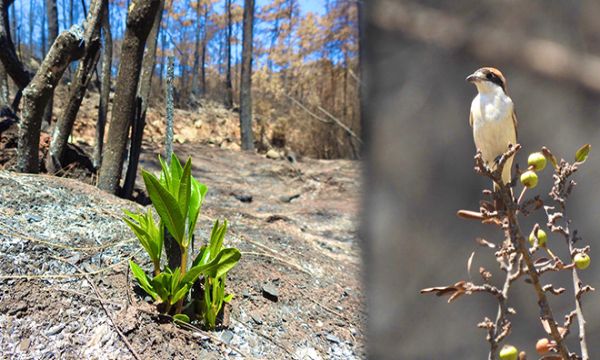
(509, 352)
(582, 261)
(537, 160)
(529, 179)
(541, 235)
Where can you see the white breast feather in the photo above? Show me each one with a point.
(493, 128)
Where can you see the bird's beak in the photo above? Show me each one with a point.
(474, 77)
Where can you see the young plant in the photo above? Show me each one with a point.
(177, 198)
(150, 235)
(214, 284)
(517, 260)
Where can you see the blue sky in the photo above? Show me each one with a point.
(316, 6)
(312, 5)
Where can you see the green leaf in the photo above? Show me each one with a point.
(143, 279)
(582, 154)
(176, 171)
(165, 175)
(166, 206)
(161, 284)
(228, 258)
(141, 234)
(175, 281)
(202, 257)
(217, 243)
(219, 266)
(180, 294)
(185, 189)
(227, 298)
(197, 192)
(181, 318)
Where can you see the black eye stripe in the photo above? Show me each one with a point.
(495, 79)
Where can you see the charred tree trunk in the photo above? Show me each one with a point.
(228, 85)
(8, 56)
(4, 93)
(150, 60)
(104, 88)
(137, 132)
(52, 15)
(64, 125)
(139, 23)
(246, 75)
(36, 95)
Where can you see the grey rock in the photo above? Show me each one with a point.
(55, 329)
(227, 336)
(332, 338)
(270, 292)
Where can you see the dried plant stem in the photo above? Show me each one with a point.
(580, 319)
(577, 292)
(501, 318)
(517, 238)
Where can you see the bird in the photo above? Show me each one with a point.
(493, 118)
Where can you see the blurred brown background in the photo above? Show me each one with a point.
(420, 160)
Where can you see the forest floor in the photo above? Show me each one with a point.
(66, 292)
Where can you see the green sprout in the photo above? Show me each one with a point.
(177, 198)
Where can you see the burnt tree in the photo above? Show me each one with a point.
(246, 78)
(37, 94)
(104, 88)
(64, 125)
(139, 22)
(52, 15)
(228, 85)
(149, 61)
(8, 56)
(4, 93)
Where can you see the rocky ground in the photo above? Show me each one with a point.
(65, 291)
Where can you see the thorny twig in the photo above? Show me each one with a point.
(518, 240)
(561, 190)
(516, 259)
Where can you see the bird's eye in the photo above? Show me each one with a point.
(490, 76)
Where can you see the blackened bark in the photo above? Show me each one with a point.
(246, 75)
(137, 132)
(12, 65)
(104, 88)
(4, 93)
(139, 23)
(52, 15)
(149, 61)
(83, 75)
(228, 85)
(36, 95)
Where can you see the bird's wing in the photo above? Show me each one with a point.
(515, 123)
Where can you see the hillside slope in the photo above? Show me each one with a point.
(299, 247)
